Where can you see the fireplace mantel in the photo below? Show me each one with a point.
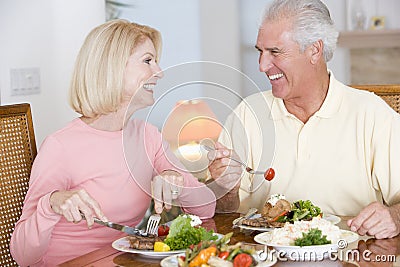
(370, 39)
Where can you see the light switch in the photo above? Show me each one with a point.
(25, 81)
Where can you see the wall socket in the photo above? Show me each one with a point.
(25, 81)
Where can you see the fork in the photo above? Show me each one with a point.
(152, 224)
(247, 168)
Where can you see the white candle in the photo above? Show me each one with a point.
(190, 152)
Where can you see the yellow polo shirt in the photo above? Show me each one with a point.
(346, 156)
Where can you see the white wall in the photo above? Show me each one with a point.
(48, 33)
(192, 31)
(45, 34)
(179, 24)
(251, 12)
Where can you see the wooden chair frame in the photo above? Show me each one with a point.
(389, 92)
(17, 152)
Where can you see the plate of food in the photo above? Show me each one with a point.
(147, 247)
(277, 211)
(219, 253)
(307, 240)
(182, 233)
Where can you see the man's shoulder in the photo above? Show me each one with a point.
(259, 98)
(367, 101)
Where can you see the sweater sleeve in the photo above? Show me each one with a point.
(196, 198)
(32, 232)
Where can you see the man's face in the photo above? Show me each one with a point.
(280, 59)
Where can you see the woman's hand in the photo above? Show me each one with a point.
(166, 187)
(70, 204)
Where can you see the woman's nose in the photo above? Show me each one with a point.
(158, 72)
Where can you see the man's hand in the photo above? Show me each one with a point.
(224, 171)
(70, 204)
(377, 220)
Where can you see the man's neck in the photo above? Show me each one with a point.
(308, 104)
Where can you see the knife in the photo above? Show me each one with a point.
(123, 228)
(239, 220)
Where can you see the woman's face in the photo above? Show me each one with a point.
(141, 75)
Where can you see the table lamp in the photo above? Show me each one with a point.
(189, 124)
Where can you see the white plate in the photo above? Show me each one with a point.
(332, 218)
(122, 244)
(329, 217)
(172, 261)
(308, 252)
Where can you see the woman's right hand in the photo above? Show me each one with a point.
(70, 204)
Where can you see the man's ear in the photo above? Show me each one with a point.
(317, 50)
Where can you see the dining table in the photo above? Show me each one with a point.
(366, 251)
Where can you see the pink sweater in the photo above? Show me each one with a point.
(79, 156)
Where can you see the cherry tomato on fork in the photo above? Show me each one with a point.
(269, 174)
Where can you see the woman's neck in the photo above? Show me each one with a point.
(109, 122)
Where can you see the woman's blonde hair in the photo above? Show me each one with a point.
(97, 80)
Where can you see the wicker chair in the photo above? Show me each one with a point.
(390, 93)
(17, 152)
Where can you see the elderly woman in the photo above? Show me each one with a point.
(103, 164)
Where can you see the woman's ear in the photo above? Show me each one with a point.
(317, 49)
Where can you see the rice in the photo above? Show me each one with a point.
(286, 235)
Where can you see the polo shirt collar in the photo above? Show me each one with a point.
(330, 106)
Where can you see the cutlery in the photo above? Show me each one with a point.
(236, 222)
(123, 228)
(247, 168)
(152, 224)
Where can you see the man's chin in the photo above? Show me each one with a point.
(277, 92)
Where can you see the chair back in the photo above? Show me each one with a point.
(390, 93)
(17, 152)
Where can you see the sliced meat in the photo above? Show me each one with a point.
(262, 222)
(143, 243)
(281, 206)
(265, 211)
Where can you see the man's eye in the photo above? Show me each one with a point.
(274, 52)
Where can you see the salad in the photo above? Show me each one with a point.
(218, 253)
(277, 211)
(301, 210)
(184, 231)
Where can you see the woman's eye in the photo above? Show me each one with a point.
(147, 61)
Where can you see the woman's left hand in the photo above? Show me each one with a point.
(166, 187)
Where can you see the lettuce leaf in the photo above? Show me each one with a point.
(182, 234)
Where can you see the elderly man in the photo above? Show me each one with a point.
(335, 145)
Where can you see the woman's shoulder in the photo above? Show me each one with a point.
(138, 126)
(63, 133)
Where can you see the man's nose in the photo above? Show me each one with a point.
(265, 62)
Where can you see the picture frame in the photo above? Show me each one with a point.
(377, 22)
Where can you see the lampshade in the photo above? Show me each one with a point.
(190, 121)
